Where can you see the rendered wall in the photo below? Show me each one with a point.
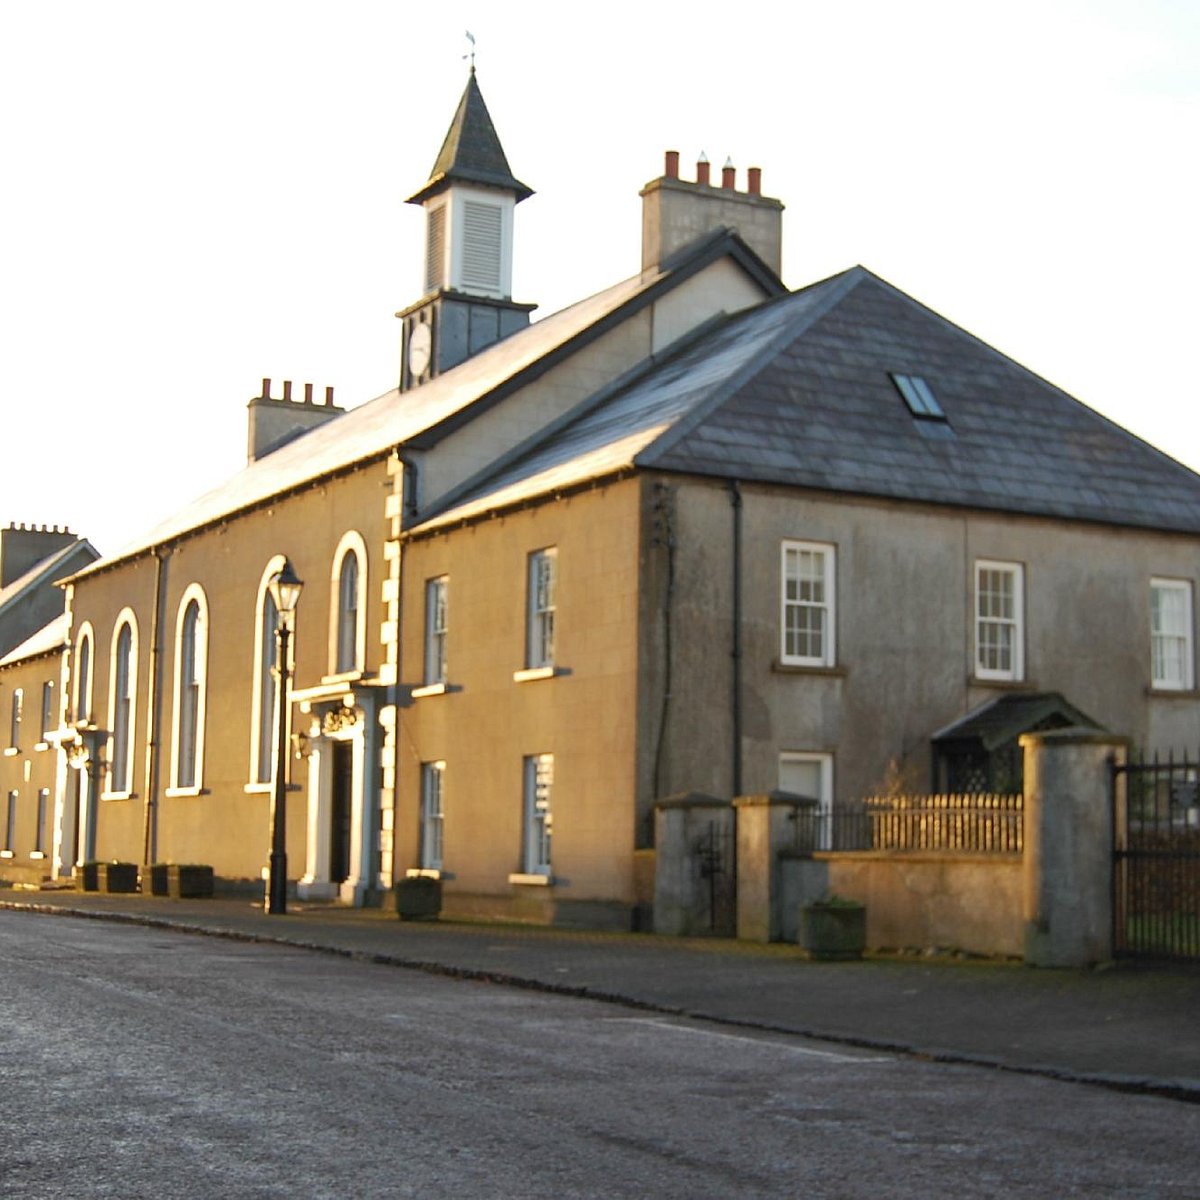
(971, 903)
(904, 625)
(486, 723)
(226, 824)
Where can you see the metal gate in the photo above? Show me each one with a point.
(1156, 858)
(714, 855)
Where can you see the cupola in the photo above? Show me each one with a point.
(469, 200)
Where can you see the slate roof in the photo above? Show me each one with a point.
(52, 636)
(471, 152)
(1004, 718)
(798, 392)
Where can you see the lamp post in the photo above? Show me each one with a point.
(285, 592)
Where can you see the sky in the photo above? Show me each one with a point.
(198, 196)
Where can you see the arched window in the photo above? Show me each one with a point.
(191, 674)
(262, 733)
(347, 609)
(347, 634)
(122, 696)
(83, 675)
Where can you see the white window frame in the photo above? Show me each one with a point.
(352, 543)
(538, 815)
(986, 622)
(82, 706)
(42, 807)
(1172, 654)
(49, 724)
(541, 608)
(188, 778)
(122, 723)
(433, 785)
(793, 607)
(16, 717)
(437, 612)
(262, 714)
(10, 824)
(824, 814)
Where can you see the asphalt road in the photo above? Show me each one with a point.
(138, 1063)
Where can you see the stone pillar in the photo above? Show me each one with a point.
(1068, 885)
(682, 891)
(766, 825)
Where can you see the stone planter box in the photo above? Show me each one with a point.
(87, 877)
(833, 932)
(117, 877)
(189, 881)
(154, 880)
(418, 899)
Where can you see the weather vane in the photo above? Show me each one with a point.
(471, 53)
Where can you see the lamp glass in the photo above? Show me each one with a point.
(285, 589)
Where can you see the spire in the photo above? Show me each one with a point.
(471, 152)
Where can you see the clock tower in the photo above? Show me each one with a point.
(468, 201)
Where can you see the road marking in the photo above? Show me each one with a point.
(761, 1042)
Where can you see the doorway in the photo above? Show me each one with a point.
(340, 805)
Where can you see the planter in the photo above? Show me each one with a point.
(832, 932)
(189, 881)
(418, 899)
(154, 880)
(87, 877)
(117, 877)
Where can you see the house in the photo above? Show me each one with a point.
(33, 636)
(694, 532)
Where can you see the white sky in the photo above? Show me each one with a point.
(197, 196)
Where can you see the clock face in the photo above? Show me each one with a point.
(420, 349)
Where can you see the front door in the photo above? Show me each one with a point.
(339, 834)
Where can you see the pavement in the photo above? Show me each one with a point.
(1129, 1027)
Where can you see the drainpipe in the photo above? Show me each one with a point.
(408, 508)
(666, 537)
(153, 714)
(735, 500)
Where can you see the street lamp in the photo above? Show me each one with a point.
(285, 592)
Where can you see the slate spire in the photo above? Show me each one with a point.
(471, 152)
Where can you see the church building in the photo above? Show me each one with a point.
(695, 532)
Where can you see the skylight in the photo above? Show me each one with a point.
(919, 397)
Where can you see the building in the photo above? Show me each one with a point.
(33, 636)
(695, 532)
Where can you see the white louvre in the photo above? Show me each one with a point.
(481, 245)
(435, 248)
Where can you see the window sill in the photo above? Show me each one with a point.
(529, 674)
(118, 795)
(37, 854)
(344, 676)
(173, 792)
(43, 745)
(1003, 685)
(433, 689)
(787, 668)
(11, 751)
(531, 880)
(260, 789)
(1166, 693)
(6, 854)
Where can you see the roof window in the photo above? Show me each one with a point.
(919, 397)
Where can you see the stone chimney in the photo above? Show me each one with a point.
(676, 212)
(273, 423)
(24, 546)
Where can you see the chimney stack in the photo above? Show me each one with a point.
(676, 212)
(273, 423)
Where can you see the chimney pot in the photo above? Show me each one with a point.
(308, 393)
(671, 169)
(702, 169)
(329, 396)
(754, 181)
(287, 389)
(266, 392)
(729, 175)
